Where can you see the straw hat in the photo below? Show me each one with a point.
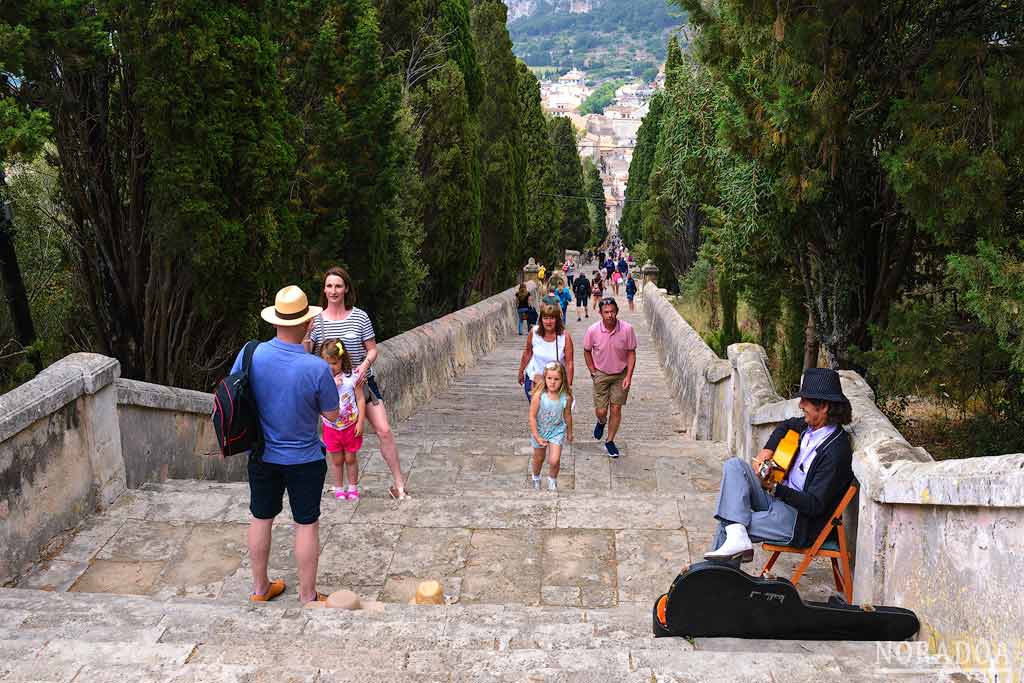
(428, 593)
(291, 308)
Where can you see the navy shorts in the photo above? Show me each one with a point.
(373, 395)
(304, 483)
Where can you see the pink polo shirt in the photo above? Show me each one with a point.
(610, 348)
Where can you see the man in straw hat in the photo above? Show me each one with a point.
(794, 511)
(292, 390)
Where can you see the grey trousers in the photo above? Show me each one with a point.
(741, 500)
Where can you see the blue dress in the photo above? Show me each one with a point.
(551, 420)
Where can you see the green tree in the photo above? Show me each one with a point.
(603, 96)
(541, 219)
(433, 50)
(598, 210)
(23, 131)
(355, 157)
(502, 164)
(169, 192)
(574, 227)
(631, 223)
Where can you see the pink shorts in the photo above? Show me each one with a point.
(342, 440)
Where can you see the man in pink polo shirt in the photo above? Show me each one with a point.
(609, 348)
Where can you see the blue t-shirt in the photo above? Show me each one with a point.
(291, 388)
(565, 295)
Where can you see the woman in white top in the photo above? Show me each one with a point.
(342, 320)
(548, 341)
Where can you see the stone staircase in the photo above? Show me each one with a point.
(542, 586)
(74, 636)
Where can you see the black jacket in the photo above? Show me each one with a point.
(581, 285)
(830, 475)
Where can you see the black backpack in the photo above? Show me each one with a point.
(235, 416)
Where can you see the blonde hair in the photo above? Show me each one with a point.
(333, 349)
(542, 385)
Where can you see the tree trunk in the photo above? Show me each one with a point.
(730, 304)
(713, 299)
(811, 344)
(14, 285)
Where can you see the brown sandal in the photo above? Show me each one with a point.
(277, 587)
(398, 494)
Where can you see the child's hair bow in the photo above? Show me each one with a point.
(341, 349)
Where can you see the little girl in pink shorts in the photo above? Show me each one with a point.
(344, 436)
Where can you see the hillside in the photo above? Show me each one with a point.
(607, 38)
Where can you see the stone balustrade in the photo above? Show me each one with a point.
(945, 539)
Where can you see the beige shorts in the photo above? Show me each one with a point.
(608, 389)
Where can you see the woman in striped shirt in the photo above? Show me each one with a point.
(342, 320)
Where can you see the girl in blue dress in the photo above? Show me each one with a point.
(550, 422)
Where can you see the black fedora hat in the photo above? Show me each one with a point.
(822, 384)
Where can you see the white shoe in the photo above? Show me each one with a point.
(536, 484)
(737, 546)
(552, 484)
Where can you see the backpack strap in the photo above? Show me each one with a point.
(247, 351)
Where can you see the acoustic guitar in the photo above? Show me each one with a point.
(777, 467)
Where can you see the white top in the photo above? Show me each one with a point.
(544, 352)
(354, 331)
(809, 443)
(348, 408)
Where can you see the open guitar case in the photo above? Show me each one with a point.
(715, 600)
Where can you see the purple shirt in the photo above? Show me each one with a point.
(809, 442)
(610, 348)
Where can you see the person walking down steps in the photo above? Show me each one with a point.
(550, 422)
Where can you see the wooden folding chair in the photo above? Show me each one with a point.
(831, 543)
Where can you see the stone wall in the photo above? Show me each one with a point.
(167, 433)
(945, 539)
(60, 455)
(698, 378)
(416, 365)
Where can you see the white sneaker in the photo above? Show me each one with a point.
(536, 484)
(737, 546)
(552, 484)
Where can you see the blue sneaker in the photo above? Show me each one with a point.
(598, 430)
(613, 450)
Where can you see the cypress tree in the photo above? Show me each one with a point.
(540, 233)
(502, 167)
(442, 89)
(574, 228)
(356, 157)
(631, 223)
(598, 209)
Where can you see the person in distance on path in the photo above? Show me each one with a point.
(609, 348)
(581, 287)
(751, 509)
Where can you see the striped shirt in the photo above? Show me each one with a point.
(354, 331)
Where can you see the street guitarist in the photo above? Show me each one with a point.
(789, 507)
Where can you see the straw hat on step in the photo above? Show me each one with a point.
(428, 593)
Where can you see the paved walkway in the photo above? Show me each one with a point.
(617, 532)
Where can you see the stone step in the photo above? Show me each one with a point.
(49, 636)
(290, 661)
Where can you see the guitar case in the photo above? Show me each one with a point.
(714, 600)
